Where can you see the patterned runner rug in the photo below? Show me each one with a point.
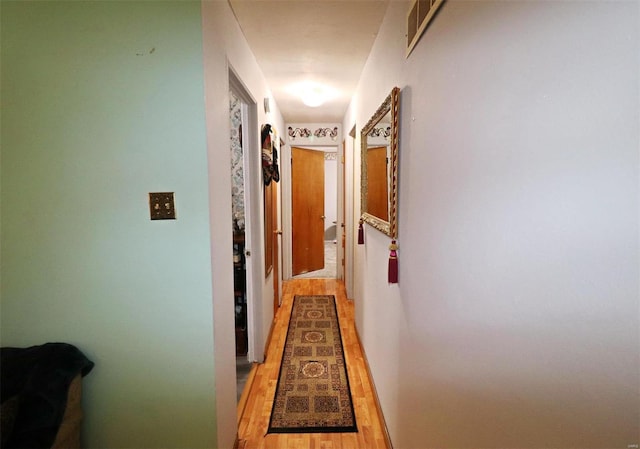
(313, 393)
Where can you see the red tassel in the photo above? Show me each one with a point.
(360, 234)
(393, 263)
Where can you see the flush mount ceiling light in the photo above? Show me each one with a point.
(313, 97)
(313, 94)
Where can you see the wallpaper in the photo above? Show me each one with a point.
(237, 173)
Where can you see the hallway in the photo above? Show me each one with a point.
(257, 405)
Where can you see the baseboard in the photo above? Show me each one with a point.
(268, 342)
(385, 430)
(239, 444)
(242, 403)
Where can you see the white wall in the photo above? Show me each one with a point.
(330, 192)
(515, 322)
(225, 49)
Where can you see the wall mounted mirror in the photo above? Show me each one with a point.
(379, 176)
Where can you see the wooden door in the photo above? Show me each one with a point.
(268, 228)
(377, 183)
(275, 236)
(307, 210)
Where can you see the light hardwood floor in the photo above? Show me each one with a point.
(254, 421)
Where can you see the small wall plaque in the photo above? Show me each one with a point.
(162, 206)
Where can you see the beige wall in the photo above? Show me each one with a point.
(515, 322)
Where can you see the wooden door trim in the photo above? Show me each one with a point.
(275, 236)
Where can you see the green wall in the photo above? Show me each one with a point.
(103, 102)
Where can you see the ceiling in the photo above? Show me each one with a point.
(326, 42)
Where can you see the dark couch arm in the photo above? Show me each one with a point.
(35, 387)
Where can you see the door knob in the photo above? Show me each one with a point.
(277, 231)
(247, 253)
(323, 217)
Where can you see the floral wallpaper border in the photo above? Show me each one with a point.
(314, 133)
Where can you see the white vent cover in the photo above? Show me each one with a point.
(420, 14)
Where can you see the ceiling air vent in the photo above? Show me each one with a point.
(420, 14)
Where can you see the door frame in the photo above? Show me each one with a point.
(253, 226)
(286, 202)
(341, 235)
(352, 215)
(277, 239)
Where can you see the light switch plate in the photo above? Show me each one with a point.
(162, 206)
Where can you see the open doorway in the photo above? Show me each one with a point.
(247, 229)
(314, 209)
(237, 117)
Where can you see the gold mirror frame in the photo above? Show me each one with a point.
(390, 227)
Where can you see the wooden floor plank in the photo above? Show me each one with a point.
(255, 419)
